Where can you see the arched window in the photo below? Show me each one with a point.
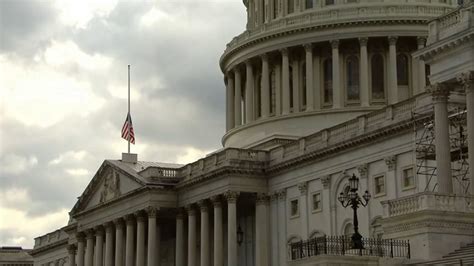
(402, 70)
(327, 79)
(291, 86)
(378, 77)
(352, 78)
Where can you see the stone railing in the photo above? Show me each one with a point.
(50, 238)
(452, 23)
(341, 13)
(426, 201)
(159, 172)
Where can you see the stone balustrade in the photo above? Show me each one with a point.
(50, 238)
(454, 22)
(428, 201)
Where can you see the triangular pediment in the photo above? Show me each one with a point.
(108, 184)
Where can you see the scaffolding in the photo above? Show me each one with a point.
(425, 150)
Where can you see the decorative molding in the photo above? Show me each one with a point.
(282, 194)
(152, 211)
(261, 199)
(326, 180)
(363, 170)
(274, 196)
(467, 81)
(391, 162)
(303, 188)
(231, 196)
(439, 92)
(111, 187)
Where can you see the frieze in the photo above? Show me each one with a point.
(111, 187)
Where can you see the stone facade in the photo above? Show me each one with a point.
(305, 111)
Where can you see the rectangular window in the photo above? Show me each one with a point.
(309, 4)
(408, 178)
(291, 6)
(294, 208)
(317, 202)
(379, 182)
(329, 2)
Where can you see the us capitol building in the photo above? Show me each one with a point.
(317, 92)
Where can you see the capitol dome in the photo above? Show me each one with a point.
(305, 65)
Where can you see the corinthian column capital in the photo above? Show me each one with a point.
(308, 47)
(363, 41)
(231, 196)
(467, 80)
(439, 92)
(392, 40)
(334, 44)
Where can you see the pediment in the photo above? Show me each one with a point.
(109, 183)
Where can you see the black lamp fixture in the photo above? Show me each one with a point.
(240, 235)
(354, 200)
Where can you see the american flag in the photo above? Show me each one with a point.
(127, 130)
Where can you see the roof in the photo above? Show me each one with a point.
(15, 254)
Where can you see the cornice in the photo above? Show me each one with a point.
(442, 46)
(42, 249)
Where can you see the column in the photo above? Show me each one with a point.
(118, 242)
(180, 238)
(261, 226)
(309, 78)
(274, 229)
(336, 76)
(421, 66)
(71, 250)
(237, 98)
(303, 188)
(249, 91)
(364, 72)
(231, 197)
(230, 101)
(218, 237)
(285, 73)
(392, 70)
(282, 227)
(89, 248)
(205, 255)
(296, 86)
(152, 253)
(443, 154)
(80, 249)
(129, 248)
(99, 246)
(265, 91)
(140, 239)
(191, 235)
(109, 244)
(467, 80)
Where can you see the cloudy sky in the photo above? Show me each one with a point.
(63, 89)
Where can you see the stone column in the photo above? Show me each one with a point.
(218, 237)
(230, 101)
(118, 242)
(392, 70)
(71, 250)
(282, 249)
(336, 76)
(364, 72)
(303, 188)
(296, 86)
(152, 253)
(238, 98)
(89, 258)
(140, 239)
(231, 197)
(80, 249)
(265, 88)
(285, 81)
(191, 236)
(443, 153)
(129, 248)
(309, 77)
(261, 226)
(205, 254)
(467, 80)
(274, 229)
(109, 244)
(180, 238)
(99, 246)
(421, 66)
(249, 91)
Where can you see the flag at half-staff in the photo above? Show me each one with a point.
(127, 130)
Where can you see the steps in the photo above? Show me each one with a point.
(463, 256)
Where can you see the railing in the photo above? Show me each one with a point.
(451, 23)
(341, 246)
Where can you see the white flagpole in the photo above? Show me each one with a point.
(128, 103)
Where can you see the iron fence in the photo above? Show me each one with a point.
(341, 245)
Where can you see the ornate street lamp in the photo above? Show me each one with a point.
(240, 236)
(354, 200)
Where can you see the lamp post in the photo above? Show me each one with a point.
(354, 200)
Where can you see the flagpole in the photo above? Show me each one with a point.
(129, 102)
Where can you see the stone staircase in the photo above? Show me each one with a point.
(463, 256)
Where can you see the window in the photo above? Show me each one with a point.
(428, 73)
(275, 9)
(408, 178)
(351, 1)
(309, 4)
(294, 209)
(258, 102)
(272, 91)
(352, 78)
(291, 6)
(379, 183)
(327, 75)
(378, 77)
(303, 84)
(291, 86)
(402, 70)
(329, 2)
(317, 206)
